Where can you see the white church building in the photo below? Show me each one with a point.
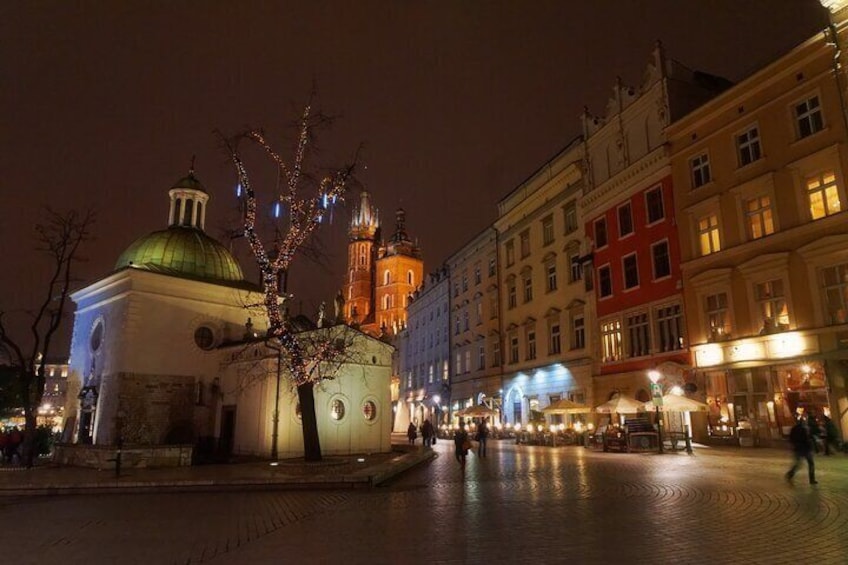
(165, 351)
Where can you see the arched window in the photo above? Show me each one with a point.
(387, 277)
(410, 278)
(386, 302)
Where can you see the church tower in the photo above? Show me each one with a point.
(399, 272)
(362, 252)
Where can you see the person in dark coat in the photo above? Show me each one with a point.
(482, 438)
(411, 433)
(831, 435)
(427, 432)
(460, 441)
(802, 447)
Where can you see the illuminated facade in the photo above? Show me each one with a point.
(629, 213)
(544, 317)
(760, 191)
(473, 327)
(399, 272)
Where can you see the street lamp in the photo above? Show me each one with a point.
(437, 406)
(656, 398)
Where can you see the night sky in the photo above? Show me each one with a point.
(453, 103)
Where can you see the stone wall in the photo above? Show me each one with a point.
(137, 457)
(157, 409)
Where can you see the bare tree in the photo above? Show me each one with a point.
(60, 238)
(306, 201)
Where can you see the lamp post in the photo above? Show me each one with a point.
(656, 398)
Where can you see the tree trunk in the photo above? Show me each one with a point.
(311, 441)
(28, 449)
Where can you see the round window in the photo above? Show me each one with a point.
(369, 410)
(97, 336)
(204, 337)
(337, 410)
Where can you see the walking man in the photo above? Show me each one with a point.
(482, 436)
(802, 447)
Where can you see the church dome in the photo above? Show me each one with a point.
(183, 252)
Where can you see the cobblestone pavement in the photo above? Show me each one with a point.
(521, 504)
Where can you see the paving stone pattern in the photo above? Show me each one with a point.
(521, 504)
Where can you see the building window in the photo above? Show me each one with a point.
(513, 349)
(456, 290)
(430, 372)
(670, 328)
(748, 146)
(481, 358)
(576, 272)
(525, 243)
(835, 281)
(631, 271)
(548, 230)
(387, 277)
(808, 117)
(578, 332)
(496, 352)
(569, 215)
(654, 205)
(638, 335)
(456, 326)
(700, 167)
(772, 304)
(204, 337)
(625, 220)
(551, 276)
(600, 233)
(758, 217)
(718, 319)
(493, 305)
(708, 234)
(511, 297)
(604, 281)
(661, 260)
(824, 195)
(468, 360)
(464, 282)
(337, 410)
(528, 288)
(369, 410)
(477, 277)
(478, 310)
(531, 345)
(465, 320)
(492, 268)
(555, 345)
(611, 340)
(458, 368)
(510, 253)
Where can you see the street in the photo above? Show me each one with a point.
(521, 504)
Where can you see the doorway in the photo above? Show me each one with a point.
(228, 430)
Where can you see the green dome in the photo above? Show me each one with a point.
(182, 252)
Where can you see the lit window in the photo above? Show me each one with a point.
(772, 303)
(369, 410)
(654, 205)
(808, 117)
(824, 195)
(468, 360)
(708, 235)
(700, 166)
(748, 145)
(611, 340)
(718, 319)
(337, 410)
(758, 216)
(835, 281)
(625, 220)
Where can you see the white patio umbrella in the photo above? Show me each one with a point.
(478, 411)
(564, 406)
(676, 403)
(620, 404)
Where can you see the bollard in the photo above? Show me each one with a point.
(688, 440)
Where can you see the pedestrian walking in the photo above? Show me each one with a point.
(799, 437)
(831, 436)
(482, 437)
(427, 432)
(411, 433)
(461, 445)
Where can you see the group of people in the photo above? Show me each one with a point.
(428, 433)
(805, 437)
(10, 443)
